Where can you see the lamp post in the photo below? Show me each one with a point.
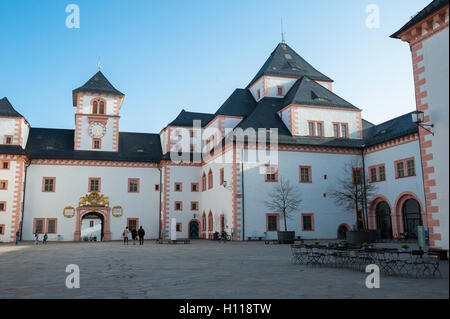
(418, 118)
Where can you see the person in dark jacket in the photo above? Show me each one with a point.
(141, 234)
(134, 235)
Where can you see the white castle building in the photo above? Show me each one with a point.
(68, 183)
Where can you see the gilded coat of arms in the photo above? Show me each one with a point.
(94, 199)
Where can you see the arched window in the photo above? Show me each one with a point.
(98, 107)
(204, 182)
(210, 179)
(204, 222)
(210, 222)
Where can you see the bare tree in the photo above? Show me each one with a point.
(284, 198)
(353, 189)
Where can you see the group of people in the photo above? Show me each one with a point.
(36, 238)
(134, 235)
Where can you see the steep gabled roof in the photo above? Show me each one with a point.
(240, 103)
(434, 6)
(12, 149)
(6, 109)
(97, 84)
(265, 116)
(284, 61)
(59, 144)
(397, 127)
(187, 118)
(308, 92)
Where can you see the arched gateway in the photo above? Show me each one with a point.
(94, 204)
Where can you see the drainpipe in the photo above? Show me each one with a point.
(242, 198)
(160, 197)
(23, 202)
(366, 222)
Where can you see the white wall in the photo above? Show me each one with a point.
(72, 183)
(436, 63)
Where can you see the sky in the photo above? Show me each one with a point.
(166, 56)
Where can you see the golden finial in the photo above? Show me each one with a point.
(99, 64)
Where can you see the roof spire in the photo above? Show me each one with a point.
(282, 32)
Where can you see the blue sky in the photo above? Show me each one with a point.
(170, 55)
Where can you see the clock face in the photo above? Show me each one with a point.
(97, 130)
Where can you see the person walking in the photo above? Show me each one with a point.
(224, 237)
(36, 238)
(44, 240)
(141, 234)
(17, 237)
(134, 235)
(125, 235)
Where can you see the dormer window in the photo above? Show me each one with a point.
(280, 90)
(98, 107)
(8, 139)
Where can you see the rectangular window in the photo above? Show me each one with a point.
(305, 174)
(39, 225)
(194, 187)
(94, 184)
(400, 170)
(357, 175)
(179, 227)
(373, 175)
(51, 225)
(308, 222)
(344, 131)
(311, 128)
(405, 167)
(271, 173)
(157, 187)
(96, 143)
(258, 94)
(272, 222)
(2, 206)
(178, 187)
(3, 185)
(2, 229)
(48, 184)
(178, 205)
(336, 130)
(133, 223)
(5, 165)
(280, 90)
(319, 126)
(8, 139)
(91, 223)
(382, 173)
(194, 206)
(411, 168)
(133, 185)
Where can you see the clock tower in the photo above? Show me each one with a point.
(97, 117)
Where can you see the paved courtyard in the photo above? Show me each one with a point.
(202, 269)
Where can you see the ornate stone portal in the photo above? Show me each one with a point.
(93, 203)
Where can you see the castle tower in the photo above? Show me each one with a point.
(97, 115)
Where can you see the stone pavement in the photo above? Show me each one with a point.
(202, 269)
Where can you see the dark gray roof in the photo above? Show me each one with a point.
(366, 124)
(6, 109)
(186, 118)
(284, 61)
(240, 103)
(265, 116)
(98, 84)
(429, 9)
(46, 143)
(308, 92)
(12, 149)
(397, 127)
